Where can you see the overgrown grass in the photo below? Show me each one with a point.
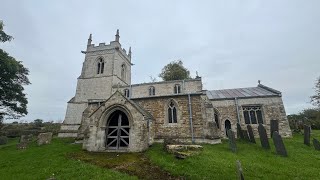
(218, 162)
(41, 162)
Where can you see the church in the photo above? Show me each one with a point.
(109, 113)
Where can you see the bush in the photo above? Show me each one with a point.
(3, 140)
(12, 133)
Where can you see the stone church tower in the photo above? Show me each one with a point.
(106, 67)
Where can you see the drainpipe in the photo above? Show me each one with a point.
(190, 118)
(237, 108)
(183, 86)
(130, 92)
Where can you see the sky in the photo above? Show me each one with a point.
(231, 44)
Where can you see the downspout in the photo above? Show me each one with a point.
(183, 86)
(190, 118)
(237, 108)
(130, 92)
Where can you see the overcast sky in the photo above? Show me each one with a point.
(231, 44)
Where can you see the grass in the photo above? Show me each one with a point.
(218, 162)
(67, 161)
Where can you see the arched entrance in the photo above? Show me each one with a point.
(227, 126)
(117, 132)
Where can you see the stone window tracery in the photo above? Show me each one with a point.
(177, 89)
(252, 114)
(152, 91)
(100, 65)
(123, 72)
(172, 113)
(216, 118)
(127, 93)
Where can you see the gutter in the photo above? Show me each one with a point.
(190, 119)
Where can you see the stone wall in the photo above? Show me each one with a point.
(272, 109)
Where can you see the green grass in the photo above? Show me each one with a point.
(218, 162)
(41, 162)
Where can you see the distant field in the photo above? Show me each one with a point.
(64, 160)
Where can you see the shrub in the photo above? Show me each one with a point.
(3, 140)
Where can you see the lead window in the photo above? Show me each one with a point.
(252, 114)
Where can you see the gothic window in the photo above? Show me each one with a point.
(172, 113)
(152, 91)
(127, 93)
(216, 118)
(252, 114)
(177, 89)
(100, 66)
(123, 72)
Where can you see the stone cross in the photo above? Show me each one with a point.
(245, 135)
(278, 143)
(239, 170)
(316, 144)
(274, 126)
(251, 135)
(239, 131)
(232, 141)
(263, 137)
(307, 135)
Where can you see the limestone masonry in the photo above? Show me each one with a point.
(111, 114)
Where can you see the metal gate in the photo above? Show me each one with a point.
(117, 133)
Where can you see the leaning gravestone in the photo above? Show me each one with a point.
(239, 170)
(232, 141)
(278, 143)
(44, 138)
(274, 126)
(263, 137)
(245, 135)
(251, 135)
(316, 144)
(239, 131)
(26, 138)
(307, 135)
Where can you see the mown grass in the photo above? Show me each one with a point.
(41, 162)
(218, 162)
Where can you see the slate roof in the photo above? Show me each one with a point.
(250, 92)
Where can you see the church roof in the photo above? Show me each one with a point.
(250, 92)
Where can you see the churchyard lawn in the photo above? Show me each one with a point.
(64, 160)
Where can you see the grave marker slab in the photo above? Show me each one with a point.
(44, 138)
(306, 135)
(251, 135)
(26, 138)
(239, 171)
(263, 137)
(232, 141)
(316, 144)
(278, 143)
(239, 131)
(274, 126)
(245, 135)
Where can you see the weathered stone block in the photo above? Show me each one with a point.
(44, 138)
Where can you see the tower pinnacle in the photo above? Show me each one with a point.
(129, 54)
(117, 36)
(89, 40)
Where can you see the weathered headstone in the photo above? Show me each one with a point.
(26, 138)
(251, 135)
(274, 126)
(239, 171)
(263, 137)
(44, 138)
(239, 131)
(245, 135)
(3, 140)
(22, 145)
(278, 143)
(316, 144)
(232, 141)
(306, 135)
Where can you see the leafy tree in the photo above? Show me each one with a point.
(175, 71)
(308, 116)
(38, 122)
(315, 99)
(13, 75)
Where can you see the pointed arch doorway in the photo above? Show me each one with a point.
(117, 132)
(227, 126)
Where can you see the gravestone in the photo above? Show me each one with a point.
(232, 141)
(245, 135)
(251, 135)
(274, 126)
(239, 170)
(22, 145)
(306, 135)
(3, 140)
(278, 143)
(239, 131)
(316, 144)
(44, 138)
(263, 137)
(26, 138)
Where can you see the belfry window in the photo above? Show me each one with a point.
(100, 66)
(177, 89)
(123, 72)
(172, 113)
(152, 91)
(127, 93)
(252, 114)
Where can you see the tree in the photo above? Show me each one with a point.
(38, 122)
(13, 76)
(175, 71)
(315, 99)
